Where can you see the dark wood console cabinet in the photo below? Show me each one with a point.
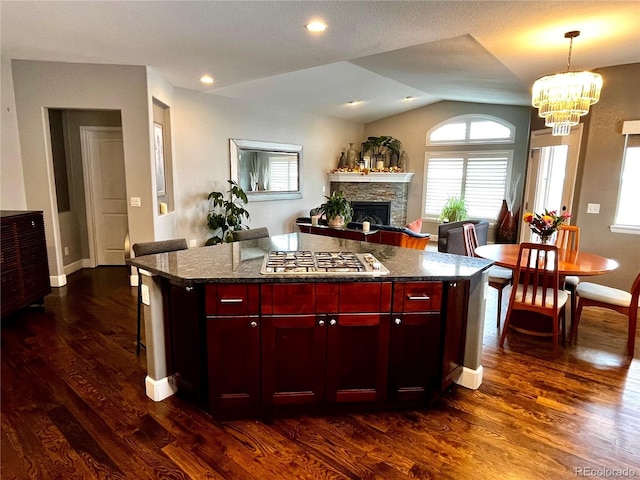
(271, 346)
(24, 264)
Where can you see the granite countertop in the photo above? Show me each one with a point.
(242, 261)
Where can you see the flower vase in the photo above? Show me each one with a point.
(342, 163)
(545, 239)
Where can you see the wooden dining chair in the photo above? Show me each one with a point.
(626, 303)
(536, 288)
(250, 234)
(499, 277)
(568, 241)
(151, 248)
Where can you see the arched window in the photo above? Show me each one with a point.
(479, 176)
(471, 130)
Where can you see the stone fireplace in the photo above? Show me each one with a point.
(391, 188)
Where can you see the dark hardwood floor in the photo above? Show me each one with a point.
(73, 406)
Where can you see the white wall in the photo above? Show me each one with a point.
(202, 126)
(12, 194)
(41, 85)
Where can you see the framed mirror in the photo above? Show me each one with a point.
(266, 170)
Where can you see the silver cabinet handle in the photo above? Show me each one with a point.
(189, 289)
(419, 297)
(332, 322)
(253, 324)
(231, 300)
(321, 322)
(397, 321)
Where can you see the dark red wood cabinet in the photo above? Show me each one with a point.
(277, 345)
(24, 263)
(414, 348)
(233, 346)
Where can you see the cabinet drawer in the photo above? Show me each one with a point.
(417, 297)
(288, 298)
(364, 297)
(232, 299)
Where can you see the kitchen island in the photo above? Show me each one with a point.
(240, 339)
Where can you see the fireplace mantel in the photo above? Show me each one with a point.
(371, 177)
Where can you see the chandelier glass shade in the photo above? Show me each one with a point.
(562, 98)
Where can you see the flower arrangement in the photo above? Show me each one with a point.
(545, 224)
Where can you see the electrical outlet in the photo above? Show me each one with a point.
(145, 294)
(135, 202)
(66, 250)
(593, 208)
(193, 243)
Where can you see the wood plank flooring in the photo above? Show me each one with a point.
(73, 407)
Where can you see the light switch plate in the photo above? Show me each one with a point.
(593, 208)
(193, 243)
(135, 202)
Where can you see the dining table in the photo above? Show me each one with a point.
(578, 263)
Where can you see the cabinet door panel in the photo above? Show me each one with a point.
(357, 355)
(414, 355)
(234, 361)
(293, 359)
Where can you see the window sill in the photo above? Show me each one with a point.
(630, 229)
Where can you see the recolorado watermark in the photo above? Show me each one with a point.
(604, 472)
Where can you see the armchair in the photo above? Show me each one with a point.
(451, 236)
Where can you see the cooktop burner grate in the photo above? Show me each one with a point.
(297, 262)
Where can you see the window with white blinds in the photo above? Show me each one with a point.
(283, 174)
(480, 178)
(628, 213)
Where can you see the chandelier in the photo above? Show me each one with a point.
(562, 98)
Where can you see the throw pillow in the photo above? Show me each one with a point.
(415, 226)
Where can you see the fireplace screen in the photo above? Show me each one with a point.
(373, 212)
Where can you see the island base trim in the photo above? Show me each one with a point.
(158, 390)
(471, 379)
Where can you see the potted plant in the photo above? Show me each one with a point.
(453, 211)
(225, 216)
(337, 209)
(378, 147)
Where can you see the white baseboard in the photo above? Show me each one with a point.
(77, 265)
(57, 280)
(471, 379)
(158, 390)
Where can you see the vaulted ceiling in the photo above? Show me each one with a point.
(375, 52)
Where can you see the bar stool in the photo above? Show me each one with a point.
(151, 248)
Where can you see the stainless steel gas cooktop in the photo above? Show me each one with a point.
(321, 263)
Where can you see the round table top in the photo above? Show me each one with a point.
(580, 264)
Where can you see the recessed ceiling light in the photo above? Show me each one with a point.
(353, 102)
(316, 26)
(206, 79)
(409, 98)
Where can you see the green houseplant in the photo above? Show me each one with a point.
(379, 145)
(225, 216)
(337, 209)
(453, 211)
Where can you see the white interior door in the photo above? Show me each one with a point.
(551, 173)
(103, 160)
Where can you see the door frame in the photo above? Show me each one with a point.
(87, 172)
(544, 138)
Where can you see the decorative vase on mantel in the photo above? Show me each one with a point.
(352, 156)
(402, 161)
(342, 163)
